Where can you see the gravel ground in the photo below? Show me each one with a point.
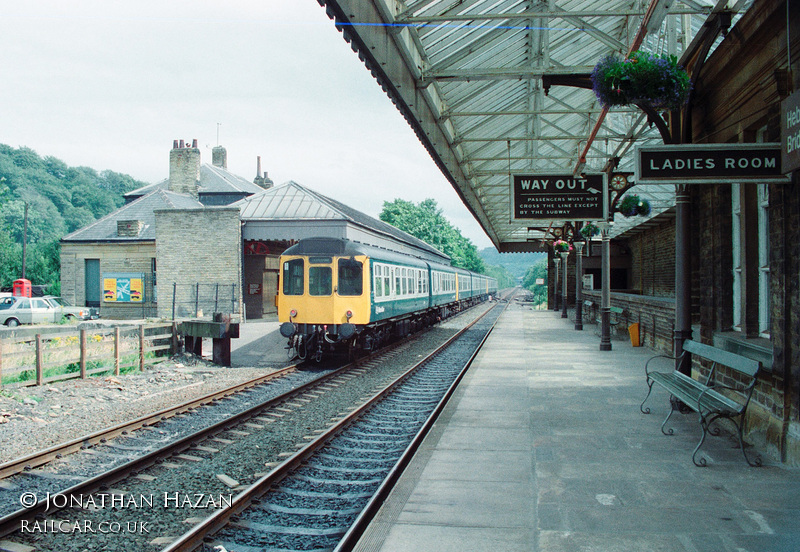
(34, 418)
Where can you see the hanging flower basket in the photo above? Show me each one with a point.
(632, 205)
(561, 246)
(642, 77)
(589, 230)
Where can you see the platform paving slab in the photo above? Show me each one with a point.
(543, 448)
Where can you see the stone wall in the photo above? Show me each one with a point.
(198, 249)
(114, 258)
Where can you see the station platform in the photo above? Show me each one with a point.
(543, 448)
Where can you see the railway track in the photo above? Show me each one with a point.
(63, 481)
(324, 496)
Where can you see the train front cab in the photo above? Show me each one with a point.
(323, 290)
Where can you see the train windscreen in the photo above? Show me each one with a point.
(293, 277)
(350, 277)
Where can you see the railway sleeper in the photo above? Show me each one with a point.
(325, 458)
(309, 511)
(325, 480)
(342, 470)
(339, 496)
(312, 531)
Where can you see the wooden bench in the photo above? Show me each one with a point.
(705, 397)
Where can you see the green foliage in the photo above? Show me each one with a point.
(504, 278)
(539, 270)
(60, 199)
(517, 264)
(426, 222)
(642, 76)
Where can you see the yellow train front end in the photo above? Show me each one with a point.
(322, 298)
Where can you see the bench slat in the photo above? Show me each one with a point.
(689, 392)
(732, 360)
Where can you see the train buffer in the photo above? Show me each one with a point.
(220, 331)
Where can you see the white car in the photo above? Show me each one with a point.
(38, 310)
(25, 310)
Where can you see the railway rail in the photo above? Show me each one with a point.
(323, 497)
(165, 458)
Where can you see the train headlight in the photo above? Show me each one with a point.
(292, 314)
(349, 315)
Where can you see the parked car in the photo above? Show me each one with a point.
(38, 310)
(26, 310)
(65, 309)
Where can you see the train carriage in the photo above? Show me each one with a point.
(337, 292)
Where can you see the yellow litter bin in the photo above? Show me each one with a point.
(633, 331)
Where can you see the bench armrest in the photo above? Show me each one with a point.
(647, 364)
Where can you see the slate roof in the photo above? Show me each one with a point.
(213, 180)
(291, 201)
(105, 229)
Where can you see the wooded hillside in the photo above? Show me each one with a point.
(60, 199)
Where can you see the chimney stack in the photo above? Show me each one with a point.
(184, 168)
(219, 157)
(259, 180)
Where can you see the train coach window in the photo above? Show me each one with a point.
(377, 280)
(320, 280)
(293, 277)
(350, 280)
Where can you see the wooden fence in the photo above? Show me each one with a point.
(53, 357)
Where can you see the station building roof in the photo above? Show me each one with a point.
(214, 180)
(292, 211)
(139, 214)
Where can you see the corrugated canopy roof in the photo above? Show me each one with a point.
(291, 201)
(493, 88)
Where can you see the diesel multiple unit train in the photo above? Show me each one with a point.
(338, 293)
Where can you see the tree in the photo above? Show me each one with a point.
(426, 222)
(60, 199)
(504, 278)
(537, 271)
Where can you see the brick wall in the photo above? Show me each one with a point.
(734, 106)
(653, 260)
(197, 246)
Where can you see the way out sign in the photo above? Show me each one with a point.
(557, 196)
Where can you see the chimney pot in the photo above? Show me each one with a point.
(194, 143)
(180, 145)
(174, 144)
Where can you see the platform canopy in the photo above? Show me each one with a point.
(495, 88)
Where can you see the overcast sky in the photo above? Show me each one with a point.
(110, 84)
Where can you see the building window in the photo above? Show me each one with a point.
(153, 278)
(736, 250)
(750, 263)
(763, 261)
